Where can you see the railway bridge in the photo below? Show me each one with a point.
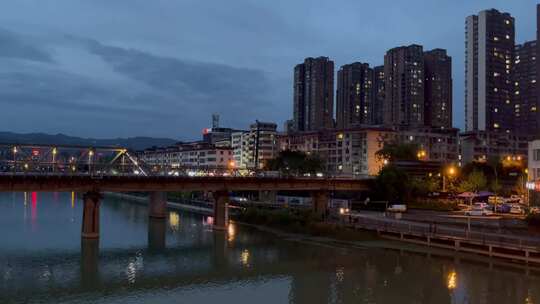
(94, 170)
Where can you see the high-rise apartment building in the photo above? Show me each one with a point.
(354, 95)
(253, 148)
(314, 94)
(526, 110)
(438, 89)
(489, 49)
(404, 86)
(378, 95)
(538, 61)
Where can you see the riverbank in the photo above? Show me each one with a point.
(301, 225)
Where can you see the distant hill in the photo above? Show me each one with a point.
(135, 143)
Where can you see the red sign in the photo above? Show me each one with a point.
(35, 152)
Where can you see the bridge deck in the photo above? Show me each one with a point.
(37, 182)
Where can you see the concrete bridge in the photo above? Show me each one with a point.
(158, 186)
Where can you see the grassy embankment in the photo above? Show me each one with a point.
(434, 204)
(298, 221)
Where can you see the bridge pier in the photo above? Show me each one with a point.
(220, 250)
(89, 262)
(221, 209)
(319, 202)
(157, 207)
(90, 220)
(267, 196)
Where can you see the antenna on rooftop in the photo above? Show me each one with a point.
(215, 121)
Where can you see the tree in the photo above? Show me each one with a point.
(398, 151)
(392, 184)
(295, 162)
(475, 181)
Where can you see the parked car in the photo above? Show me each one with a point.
(397, 208)
(534, 210)
(517, 209)
(479, 209)
(503, 208)
(481, 205)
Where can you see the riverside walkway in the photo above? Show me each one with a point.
(519, 248)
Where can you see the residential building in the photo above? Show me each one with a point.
(352, 151)
(439, 145)
(345, 152)
(261, 144)
(378, 95)
(483, 146)
(526, 107)
(438, 89)
(197, 155)
(404, 86)
(354, 95)
(240, 149)
(533, 169)
(489, 57)
(218, 136)
(251, 149)
(314, 94)
(534, 161)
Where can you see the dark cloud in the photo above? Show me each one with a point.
(124, 91)
(161, 67)
(15, 46)
(217, 84)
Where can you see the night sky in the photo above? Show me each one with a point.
(105, 68)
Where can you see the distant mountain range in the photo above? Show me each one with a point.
(135, 143)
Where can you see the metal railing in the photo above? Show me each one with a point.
(444, 232)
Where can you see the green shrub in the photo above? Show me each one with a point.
(434, 204)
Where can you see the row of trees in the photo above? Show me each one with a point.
(393, 183)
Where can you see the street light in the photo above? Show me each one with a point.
(54, 152)
(421, 154)
(15, 158)
(450, 172)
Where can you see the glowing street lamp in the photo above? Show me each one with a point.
(54, 152)
(450, 172)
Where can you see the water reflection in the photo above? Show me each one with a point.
(452, 280)
(231, 232)
(174, 220)
(130, 263)
(89, 263)
(156, 234)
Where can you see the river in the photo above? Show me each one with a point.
(182, 260)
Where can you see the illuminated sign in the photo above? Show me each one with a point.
(35, 152)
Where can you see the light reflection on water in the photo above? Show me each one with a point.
(43, 260)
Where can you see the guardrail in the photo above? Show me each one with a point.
(445, 232)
